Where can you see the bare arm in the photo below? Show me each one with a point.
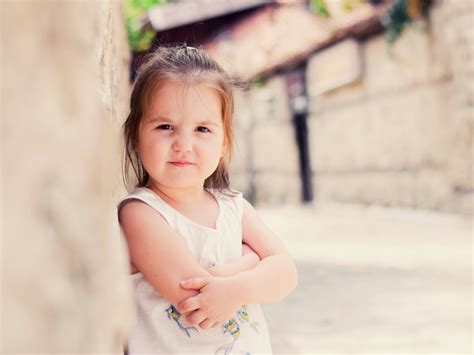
(270, 281)
(247, 261)
(158, 251)
(276, 275)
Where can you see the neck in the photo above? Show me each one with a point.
(176, 195)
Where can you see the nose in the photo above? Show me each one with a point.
(182, 143)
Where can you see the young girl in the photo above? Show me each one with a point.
(202, 261)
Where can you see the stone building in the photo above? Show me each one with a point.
(386, 125)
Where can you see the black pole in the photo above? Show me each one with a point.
(301, 129)
(298, 99)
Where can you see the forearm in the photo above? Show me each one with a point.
(274, 278)
(244, 263)
(247, 261)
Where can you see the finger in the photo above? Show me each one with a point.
(189, 304)
(206, 323)
(195, 318)
(216, 325)
(194, 284)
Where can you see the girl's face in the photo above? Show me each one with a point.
(181, 138)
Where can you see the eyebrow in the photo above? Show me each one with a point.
(169, 120)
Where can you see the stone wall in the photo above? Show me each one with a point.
(399, 136)
(453, 35)
(402, 135)
(265, 166)
(64, 67)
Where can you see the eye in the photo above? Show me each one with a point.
(203, 129)
(164, 127)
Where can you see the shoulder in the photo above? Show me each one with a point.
(134, 195)
(135, 212)
(139, 193)
(141, 199)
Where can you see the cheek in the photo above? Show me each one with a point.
(214, 148)
(152, 150)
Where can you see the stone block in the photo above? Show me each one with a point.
(274, 148)
(462, 203)
(334, 67)
(426, 189)
(242, 182)
(241, 155)
(408, 62)
(243, 117)
(461, 160)
(270, 102)
(335, 99)
(382, 134)
(274, 188)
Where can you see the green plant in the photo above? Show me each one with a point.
(402, 13)
(350, 5)
(140, 38)
(319, 7)
(395, 20)
(259, 82)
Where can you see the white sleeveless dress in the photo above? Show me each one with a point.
(159, 327)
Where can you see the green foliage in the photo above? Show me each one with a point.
(402, 13)
(139, 38)
(259, 82)
(395, 20)
(319, 7)
(398, 16)
(351, 5)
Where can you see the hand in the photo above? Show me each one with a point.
(215, 303)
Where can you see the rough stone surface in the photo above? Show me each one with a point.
(64, 89)
(456, 38)
(406, 126)
(276, 188)
(402, 135)
(270, 102)
(409, 62)
(265, 144)
(272, 156)
(419, 189)
(383, 133)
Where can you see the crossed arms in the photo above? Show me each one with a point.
(209, 296)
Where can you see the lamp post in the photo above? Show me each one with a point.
(298, 101)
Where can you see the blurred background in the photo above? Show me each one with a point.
(353, 140)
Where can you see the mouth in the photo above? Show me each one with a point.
(180, 163)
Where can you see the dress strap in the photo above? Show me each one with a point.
(235, 201)
(151, 199)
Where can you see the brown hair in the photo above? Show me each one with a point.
(187, 65)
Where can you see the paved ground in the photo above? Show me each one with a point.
(374, 281)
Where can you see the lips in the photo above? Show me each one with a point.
(181, 163)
